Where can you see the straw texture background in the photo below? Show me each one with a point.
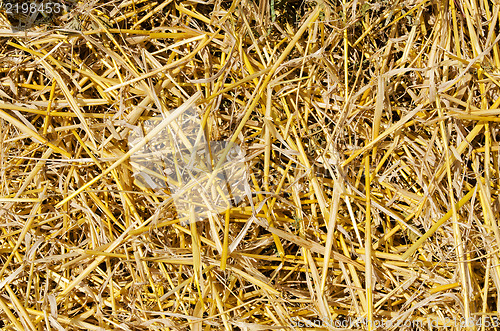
(370, 134)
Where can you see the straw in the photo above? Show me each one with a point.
(365, 188)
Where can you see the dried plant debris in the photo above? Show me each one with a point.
(249, 165)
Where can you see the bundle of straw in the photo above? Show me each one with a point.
(326, 164)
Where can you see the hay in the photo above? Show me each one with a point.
(324, 165)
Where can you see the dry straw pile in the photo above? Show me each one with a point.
(371, 166)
